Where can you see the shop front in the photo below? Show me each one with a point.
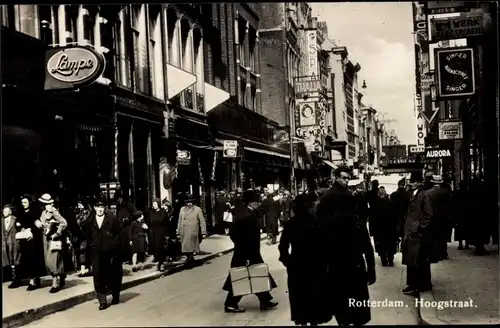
(262, 159)
(56, 142)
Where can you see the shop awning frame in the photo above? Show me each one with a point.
(266, 152)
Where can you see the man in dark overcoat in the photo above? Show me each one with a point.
(220, 206)
(348, 246)
(399, 200)
(286, 206)
(103, 234)
(419, 240)
(245, 234)
(441, 208)
(124, 210)
(272, 211)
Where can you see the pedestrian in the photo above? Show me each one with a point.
(441, 203)
(306, 267)
(11, 254)
(228, 218)
(103, 233)
(124, 210)
(32, 259)
(384, 228)
(191, 220)
(137, 237)
(272, 211)
(81, 245)
(371, 198)
(220, 208)
(460, 215)
(159, 225)
(418, 245)
(351, 265)
(286, 206)
(245, 234)
(399, 200)
(54, 226)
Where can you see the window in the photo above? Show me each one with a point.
(243, 89)
(253, 49)
(48, 25)
(242, 40)
(199, 68)
(7, 14)
(140, 50)
(71, 13)
(89, 24)
(187, 60)
(123, 54)
(173, 38)
(26, 20)
(155, 51)
(253, 99)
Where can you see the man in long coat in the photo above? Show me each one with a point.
(103, 234)
(441, 204)
(272, 211)
(124, 212)
(345, 243)
(419, 241)
(399, 200)
(245, 234)
(287, 206)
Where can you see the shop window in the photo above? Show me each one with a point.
(123, 50)
(155, 51)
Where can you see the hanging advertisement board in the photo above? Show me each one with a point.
(455, 72)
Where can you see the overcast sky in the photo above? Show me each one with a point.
(379, 37)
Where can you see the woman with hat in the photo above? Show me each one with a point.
(158, 221)
(53, 227)
(190, 221)
(32, 261)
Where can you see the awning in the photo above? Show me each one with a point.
(330, 164)
(267, 152)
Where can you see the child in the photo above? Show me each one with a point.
(138, 239)
(11, 255)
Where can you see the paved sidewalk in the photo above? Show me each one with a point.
(21, 307)
(464, 277)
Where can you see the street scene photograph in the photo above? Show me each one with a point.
(250, 164)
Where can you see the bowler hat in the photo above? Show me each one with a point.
(46, 199)
(100, 202)
(437, 179)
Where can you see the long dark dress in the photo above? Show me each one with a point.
(245, 234)
(306, 270)
(32, 260)
(348, 273)
(158, 224)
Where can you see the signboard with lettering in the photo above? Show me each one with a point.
(421, 131)
(451, 28)
(310, 117)
(183, 157)
(450, 130)
(306, 85)
(312, 53)
(230, 149)
(445, 7)
(436, 153)
(70, 68)
(455, 72)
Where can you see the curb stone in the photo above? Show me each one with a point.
(28, 316)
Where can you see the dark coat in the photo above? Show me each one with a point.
(306, 269)
(348, 242)
(460, 214)
(32, 260)
(441, 209)
(158, 225)
(105, 245)
(11, 255)
(272, 212)
(137, 235)
(384, 226)
(220, 205)
(400, 199)
(361, 201)
(124, 214)
(419, 243)
(287, 208)
(245, 234)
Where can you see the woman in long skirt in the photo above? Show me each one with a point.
(53, 225)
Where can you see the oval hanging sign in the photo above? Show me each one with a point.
(72, 67)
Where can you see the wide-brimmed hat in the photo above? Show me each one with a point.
(189, 199)
(437, 179)
(46, 199)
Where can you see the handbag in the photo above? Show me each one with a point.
(55, 245)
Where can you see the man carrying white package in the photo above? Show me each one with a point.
(247, 261)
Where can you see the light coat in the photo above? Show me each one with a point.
(11, 255)
(53, 222)
(190, 222)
